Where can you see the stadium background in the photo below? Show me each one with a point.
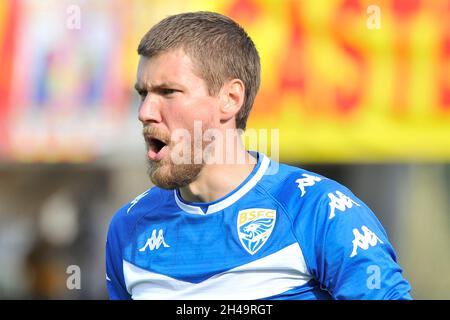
(367, 106)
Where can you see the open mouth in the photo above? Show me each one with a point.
(156, 148)
(156, 145)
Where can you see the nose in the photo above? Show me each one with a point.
(149, 111)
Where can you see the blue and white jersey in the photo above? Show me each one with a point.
(283, 233)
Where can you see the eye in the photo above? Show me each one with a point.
(142, 94)
(167, 91)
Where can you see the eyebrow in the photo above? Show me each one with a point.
(163, 85)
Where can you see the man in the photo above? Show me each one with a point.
(243, 229)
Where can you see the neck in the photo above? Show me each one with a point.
(217, 180)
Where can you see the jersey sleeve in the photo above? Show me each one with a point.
(115, 281)
(350, 254)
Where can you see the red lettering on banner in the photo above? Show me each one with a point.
(403, 11)
(244, 10)
(347, 101)
(7, 49)
(293, 69)
(444, 63)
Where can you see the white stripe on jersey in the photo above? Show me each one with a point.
(265, 277)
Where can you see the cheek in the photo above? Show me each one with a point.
(207, 111)
(204, 114)
(182, 120)
(174, 116)
(183, 115)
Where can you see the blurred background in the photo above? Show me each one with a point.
(360, 91)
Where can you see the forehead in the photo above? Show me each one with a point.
(172, 66)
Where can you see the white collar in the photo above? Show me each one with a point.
(235, 194)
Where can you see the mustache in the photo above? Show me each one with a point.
(150, 132)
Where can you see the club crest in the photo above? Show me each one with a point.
(254, 227)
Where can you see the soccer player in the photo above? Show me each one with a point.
(244, 229)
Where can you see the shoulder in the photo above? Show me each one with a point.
(310, 198)
(125, 219)
(316, 204)
(297, 188)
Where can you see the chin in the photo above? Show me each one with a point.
(170, 176)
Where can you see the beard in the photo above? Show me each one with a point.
(169, 175)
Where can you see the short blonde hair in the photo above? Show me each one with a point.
(220, 49)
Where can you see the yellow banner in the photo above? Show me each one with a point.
(347, 80)
(342, 80)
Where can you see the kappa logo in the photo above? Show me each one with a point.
(254, 227)
(307, 181)
(154, 242)
(340, 202)
(364, 241)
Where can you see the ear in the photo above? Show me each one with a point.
(232, 97)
